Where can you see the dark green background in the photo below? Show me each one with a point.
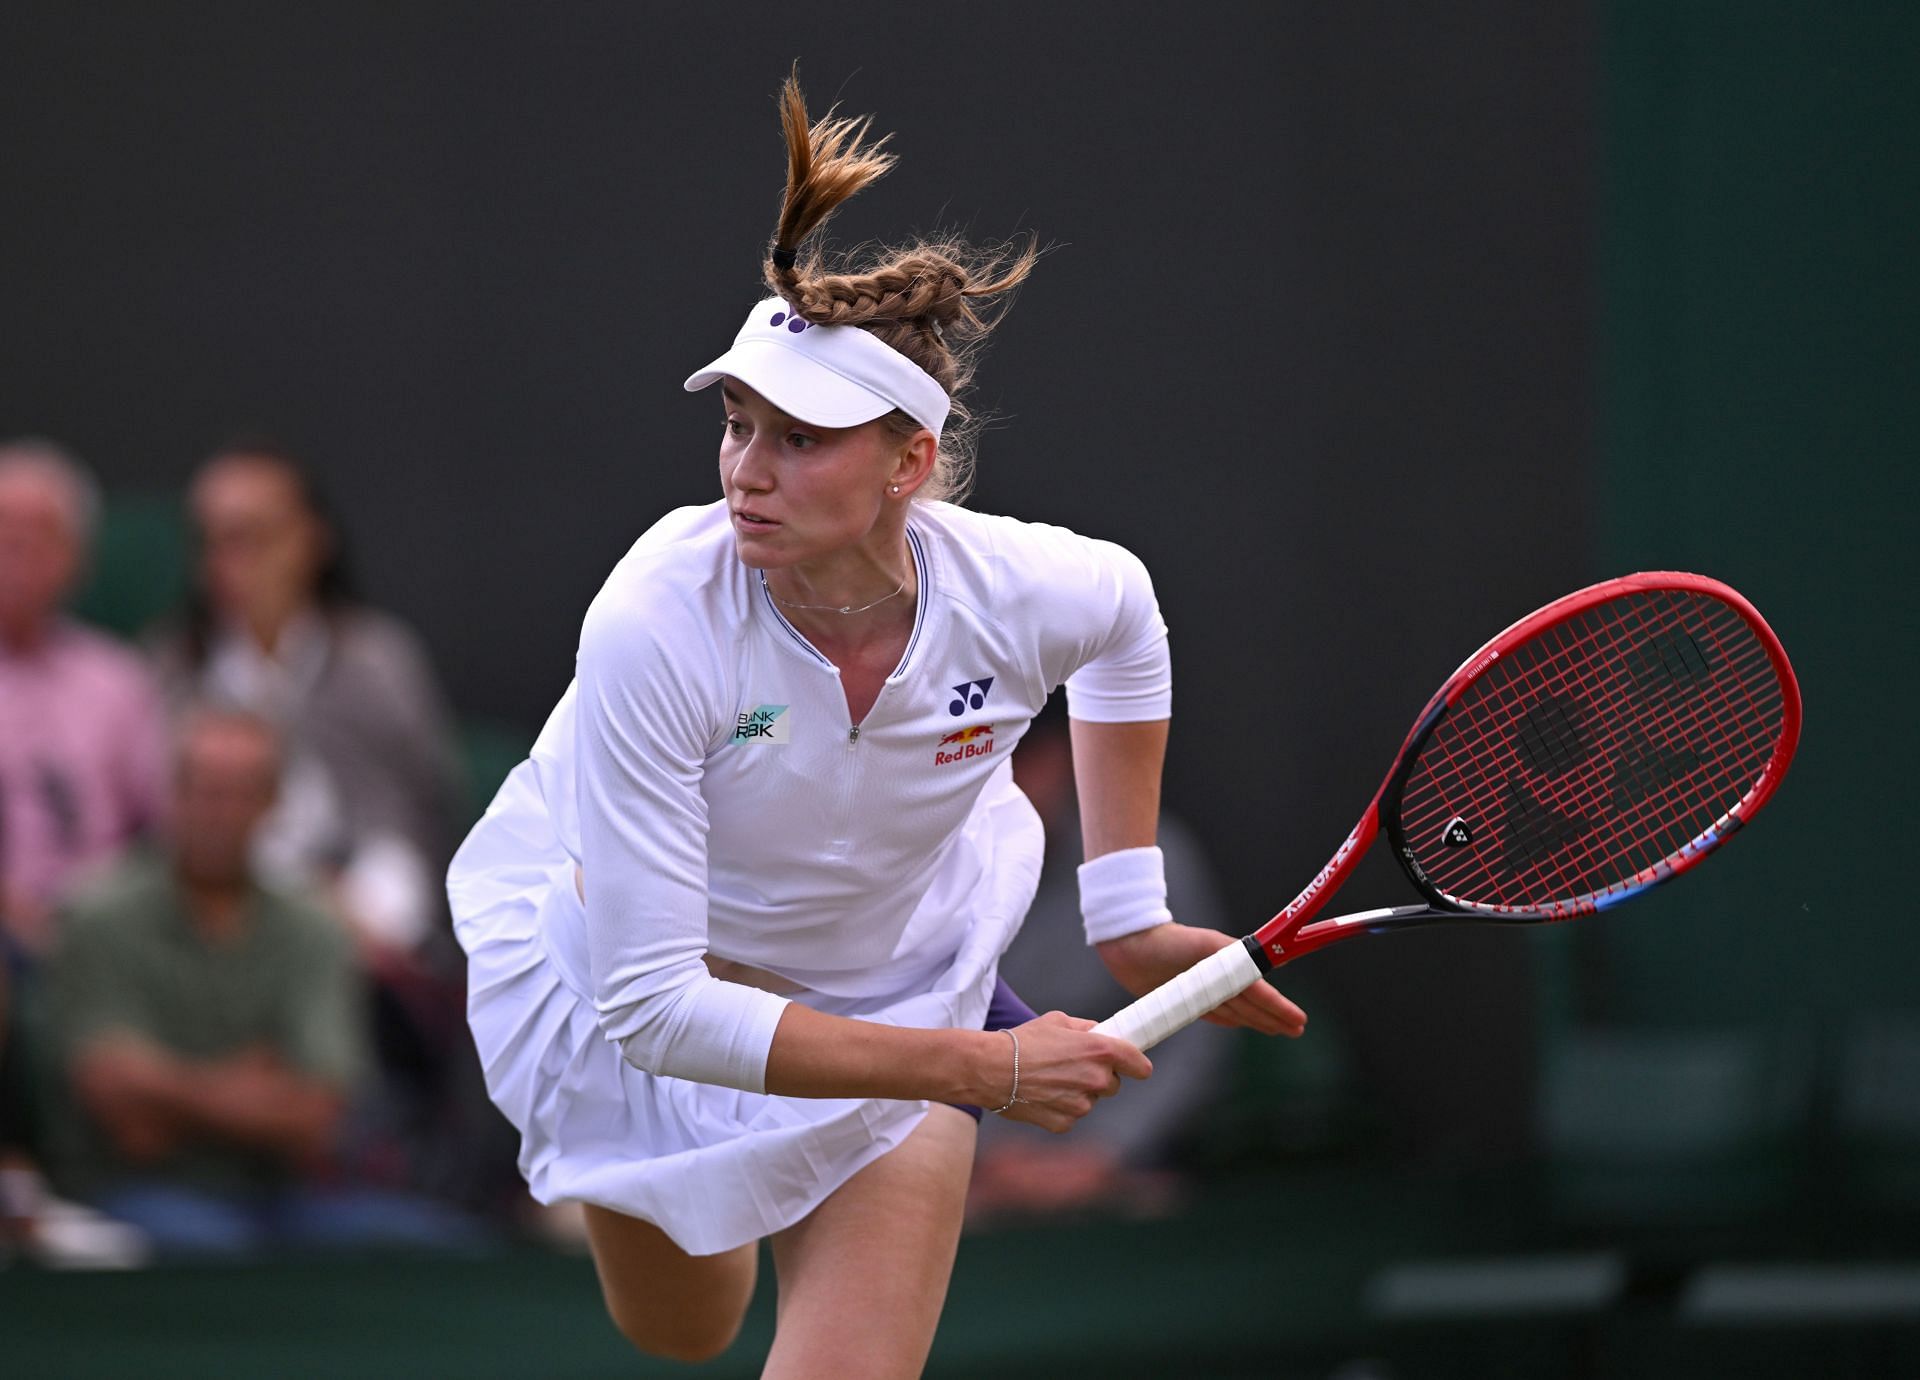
(1760, 421)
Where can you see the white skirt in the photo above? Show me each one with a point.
(713, 1167)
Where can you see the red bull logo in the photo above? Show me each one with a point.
(964, 743)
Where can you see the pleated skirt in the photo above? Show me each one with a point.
(713, 1167)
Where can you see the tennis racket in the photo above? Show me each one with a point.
(1594, 749)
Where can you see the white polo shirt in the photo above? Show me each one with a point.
(722, 802)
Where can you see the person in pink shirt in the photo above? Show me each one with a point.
(82, 736)
(82, 774)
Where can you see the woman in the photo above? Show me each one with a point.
(735, 925)
(372, 780)
(367, 802)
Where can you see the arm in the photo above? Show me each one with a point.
(149, 1101)
(641, 740)
(1116, 771)
(1064, 1068)
(142, 760)
(1116, 775)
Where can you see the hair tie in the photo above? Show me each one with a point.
(783, 258)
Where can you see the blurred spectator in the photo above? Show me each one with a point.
(211, 1029)
(81, 775)
(81, 738)
(1119, 1158)
(368, 798)
(372, 779)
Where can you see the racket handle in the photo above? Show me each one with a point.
(1178, 1004)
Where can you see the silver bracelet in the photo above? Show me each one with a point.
(1013, 1096)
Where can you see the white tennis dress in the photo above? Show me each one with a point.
(703, 773)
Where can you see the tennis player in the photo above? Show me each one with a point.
(734, 927)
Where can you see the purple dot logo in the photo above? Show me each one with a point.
(777, 318)
(795, 322)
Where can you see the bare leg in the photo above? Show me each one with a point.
(666, 1302)
(863, 1277)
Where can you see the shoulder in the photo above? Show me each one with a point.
(680, 580)
(103, 662)
(125, 896)
(302, 926)
(659, 640)
(364, 633)
(1004, 563)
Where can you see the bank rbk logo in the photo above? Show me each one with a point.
(766, 724)
(970, 694)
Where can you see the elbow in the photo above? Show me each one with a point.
(704, 1031)
(643, 1032)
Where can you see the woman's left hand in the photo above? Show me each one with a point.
(1142, 961)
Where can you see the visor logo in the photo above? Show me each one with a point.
(795, 322)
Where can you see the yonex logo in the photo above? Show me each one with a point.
(969, 694)
(1456, 833)
(767, 724)
(963, 744)
(795, 322)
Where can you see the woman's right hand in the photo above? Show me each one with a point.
(1065, 1068)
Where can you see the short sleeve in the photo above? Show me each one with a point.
(1128, 675)
(646, 683)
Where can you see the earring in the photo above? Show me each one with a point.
(896, 488)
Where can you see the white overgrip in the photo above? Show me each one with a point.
(1178, 1004)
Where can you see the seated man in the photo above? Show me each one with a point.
(210, 1029)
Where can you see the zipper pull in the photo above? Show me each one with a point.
(853, 735)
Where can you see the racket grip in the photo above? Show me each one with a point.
(1178, 1004)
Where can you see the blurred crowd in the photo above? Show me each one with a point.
(231, 1007)
(231, 1011)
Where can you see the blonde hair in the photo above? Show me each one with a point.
(935, 301)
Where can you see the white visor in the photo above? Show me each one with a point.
(827, 375)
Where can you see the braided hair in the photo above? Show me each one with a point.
(934, 301)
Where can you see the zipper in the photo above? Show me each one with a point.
(841, 844)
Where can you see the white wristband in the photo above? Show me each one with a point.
(1123, 893)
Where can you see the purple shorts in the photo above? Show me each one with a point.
(1004, 1011)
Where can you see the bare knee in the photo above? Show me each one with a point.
(695, 1338)
(665, 1302)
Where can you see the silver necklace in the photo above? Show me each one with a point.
(831, 608)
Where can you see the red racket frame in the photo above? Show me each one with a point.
(1291, 932)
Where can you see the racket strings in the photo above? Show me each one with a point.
(1639, 769)
(1629, 768)
(1639, 763)
(1663, 766)
(1590, 756)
